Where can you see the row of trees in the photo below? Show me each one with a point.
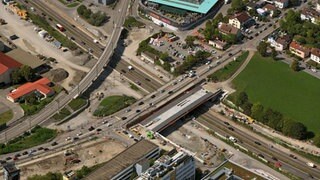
(271, 118)
(191, 61)
(304, 32)
(96, 19)
(23, 74)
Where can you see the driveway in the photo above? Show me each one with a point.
(6, 105)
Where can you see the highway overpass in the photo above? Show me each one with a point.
(180, 108)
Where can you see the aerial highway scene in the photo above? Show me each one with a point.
(159, 89)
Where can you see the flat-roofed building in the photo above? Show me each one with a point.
(122, 166)
(180, 166)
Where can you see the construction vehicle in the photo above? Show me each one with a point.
(20, 12)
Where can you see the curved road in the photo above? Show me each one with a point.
(22, 126)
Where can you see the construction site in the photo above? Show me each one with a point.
(88, 154)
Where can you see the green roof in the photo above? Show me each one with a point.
(203, 8)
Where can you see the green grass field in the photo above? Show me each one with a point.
(275, 85)
(228, 70)
(112, 104)
(77, 103)
(38, 136)
(6, 116)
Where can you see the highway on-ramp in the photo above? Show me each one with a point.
(21, 126)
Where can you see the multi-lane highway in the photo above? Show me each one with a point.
(269, 151)
(85, 41)
(25, 124)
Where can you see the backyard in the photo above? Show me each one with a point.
(275, 85)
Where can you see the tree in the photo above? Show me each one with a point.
(238, 5)
(247, 108)
(262, 48)
(241, 99)
(31, 98)
(316, 141)
(257, 111)
(274, 53)
(295, 65)
(294, 3)
(83, 172)
(190, 41)
(16, 76)
(294, 129)
(26, 72)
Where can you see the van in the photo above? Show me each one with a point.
(231, 138)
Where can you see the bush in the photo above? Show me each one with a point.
(95, 19)
(48, 176)
(38, 136)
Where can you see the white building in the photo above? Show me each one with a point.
(315, 55)
(181, 166)
(239, 20)
(281, 3)
(310, 14)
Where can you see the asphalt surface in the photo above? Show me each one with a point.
(19, 127)
(86, 42)
(296, 167)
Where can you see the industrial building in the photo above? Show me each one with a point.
(179, 14)
(124, 164)
(11, 172)
(180, 166)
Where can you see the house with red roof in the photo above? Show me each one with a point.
(40, 87)
(7, 65)
(315, 55)
(299, 50)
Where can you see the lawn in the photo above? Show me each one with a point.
(6, 116)
(38, 136)
(227, 71)
(275, 85)
(77, 103)
(64, 112)
(112, 104)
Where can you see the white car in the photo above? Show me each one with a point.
(79, 134)
(68, 138)
(314, 70)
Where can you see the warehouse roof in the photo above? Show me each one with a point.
(202, 7)
(25, 58)
(123, 160)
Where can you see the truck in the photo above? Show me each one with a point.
(233, 139)
(60, 27)
(310, 164)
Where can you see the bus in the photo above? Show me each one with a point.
(61, 28)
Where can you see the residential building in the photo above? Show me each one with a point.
(315, 55)
(218, 44)
(311, 15)
(7, 65)
(41, 88)
(228, 29)
(122, 166)
(180, 166)
(105, 2)
(270, 9)
(280, 43)
(299, 50)
(281, 3)
(11, 172)
(240, 20)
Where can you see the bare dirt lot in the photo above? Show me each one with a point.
(94, 154)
